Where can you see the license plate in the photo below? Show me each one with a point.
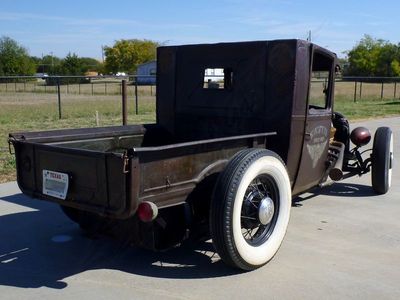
(55, 184)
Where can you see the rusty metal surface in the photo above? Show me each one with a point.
(299, 110)
(60, 135)
(98, 180)
(168, 173)
(270, 93)
(208, 141)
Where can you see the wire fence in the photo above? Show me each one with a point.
(75, 95)
(79, 85)
(369, 87)
(69, 91)
(356, 87)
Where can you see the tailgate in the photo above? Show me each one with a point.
(97, 181)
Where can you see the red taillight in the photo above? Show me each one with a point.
(147, 211)
(360, 136)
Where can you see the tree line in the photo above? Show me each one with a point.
(369, 57)
(123, 56)
(373, 57)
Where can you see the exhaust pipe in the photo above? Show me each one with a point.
(336, 172)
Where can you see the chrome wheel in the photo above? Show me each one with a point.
(260, 210)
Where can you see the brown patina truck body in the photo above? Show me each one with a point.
(261, 101)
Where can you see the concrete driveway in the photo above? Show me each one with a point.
(343, 242)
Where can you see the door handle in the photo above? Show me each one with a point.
(307, 136)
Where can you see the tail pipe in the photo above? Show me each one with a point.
(336, 172)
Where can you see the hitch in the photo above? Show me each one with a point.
(125, 166)
(11, 142)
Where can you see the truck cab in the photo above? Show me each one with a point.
(267, 86)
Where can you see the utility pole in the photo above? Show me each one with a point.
(52, 62)
(43, 65)
(309, 36)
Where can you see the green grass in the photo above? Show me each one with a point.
(21, 113)
(366, 109)
(31, 112)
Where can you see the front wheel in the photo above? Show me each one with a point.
(250, 209)
(382, 160)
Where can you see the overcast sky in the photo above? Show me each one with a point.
(59, 27)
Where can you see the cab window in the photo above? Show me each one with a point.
(320, 82)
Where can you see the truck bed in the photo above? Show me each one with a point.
(111, 170)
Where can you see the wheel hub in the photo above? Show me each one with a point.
(266, 210)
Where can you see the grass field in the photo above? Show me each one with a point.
(39, 111)
(28, 111)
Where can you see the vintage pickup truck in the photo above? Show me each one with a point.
(224, 158)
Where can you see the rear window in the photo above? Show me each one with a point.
(217, 78)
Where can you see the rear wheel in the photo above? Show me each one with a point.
(382, 160)
(250, 209)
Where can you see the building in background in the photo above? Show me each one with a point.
(147, 72)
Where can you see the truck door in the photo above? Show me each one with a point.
(318, 120)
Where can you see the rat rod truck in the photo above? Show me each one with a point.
(241, 128)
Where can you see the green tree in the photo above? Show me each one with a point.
(14, 59)
(48, 64)
(388, 60)
(90, 64)
(126, 55)
(373, 57)
(343, 63)
(1, 68)
(70, 65)
(395, 65)
(74, 65)
(36, 60)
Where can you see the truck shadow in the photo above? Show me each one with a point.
(337, 189)
(41, 247)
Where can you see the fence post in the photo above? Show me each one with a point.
(136, 97)
(355, 91)
(360, 89)
(124, 104)
(382, 90)
(395, 87)
(59, 97)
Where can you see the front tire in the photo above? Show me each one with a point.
(382, 160)
(250, 209)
